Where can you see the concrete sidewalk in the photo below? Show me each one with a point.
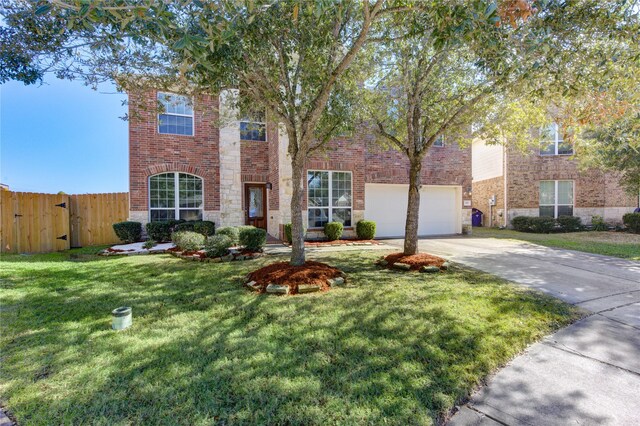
(587, 373)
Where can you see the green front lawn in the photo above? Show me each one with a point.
(618, 244)
(393, 348)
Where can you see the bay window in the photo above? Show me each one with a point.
(329, 196)
(175, 196)
(556, 198)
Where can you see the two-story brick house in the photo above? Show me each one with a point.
(546, 181)
(186, 162)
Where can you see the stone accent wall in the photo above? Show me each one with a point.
(482, 191)
(231, 213)
(151, 153)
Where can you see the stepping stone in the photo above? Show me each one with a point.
(277, 289)
(445, 265)
(336, 281)
(308, 288)
(430, 269)
(402, 266)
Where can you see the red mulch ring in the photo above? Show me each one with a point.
(174, 248)
(416, 261)
(200, 254)
(340, 243)
(112, 250)
(284, 273)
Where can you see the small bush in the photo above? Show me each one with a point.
(149, 244)
(161, 231)
(128, 232)
(287, 232)
(253, 238)
(542, 225)
(521, 223)
(230, 231)
(188, 240)
(598, 223)
(538, 225)
(204, 227)
(632, 222)
(218, 245)
(366, 229)
(333, 230)
(184, 226)
(569, 223)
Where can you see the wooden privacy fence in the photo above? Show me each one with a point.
(36, 223)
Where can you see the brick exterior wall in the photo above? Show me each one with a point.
(151, 153)
(482, 191)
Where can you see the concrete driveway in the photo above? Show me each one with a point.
(587, 373)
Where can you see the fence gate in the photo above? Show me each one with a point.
(33, 223)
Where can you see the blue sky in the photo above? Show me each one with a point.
(63, 136)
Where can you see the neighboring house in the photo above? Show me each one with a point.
(544, 182)
(187, 163)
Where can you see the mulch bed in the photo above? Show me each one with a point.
(416, 261)
(341, 243)
(283, 273)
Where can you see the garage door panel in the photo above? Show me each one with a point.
(387, 205)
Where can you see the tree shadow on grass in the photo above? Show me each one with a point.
(391, 347)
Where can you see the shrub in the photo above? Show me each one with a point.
(204, 227)
(253, 238)
(521, 223)
(184, 226)
(188, 240)
(287, 232)
(632, 222)
(366, 229)
(538, 225)
(598, 223)
(569, 223)
(218, 245)
(541, 225)
(230, 231)
(128, 232)
(161, 231)
(333, 230)
(149, 244)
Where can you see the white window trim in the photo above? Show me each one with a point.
(441, 137)
(263, 123)
(330, 207)
(555, 196)
(556, 143)
(176, 194)
(192, 115)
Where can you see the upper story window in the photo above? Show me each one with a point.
(553, 142)
(439, 142)
(328, 198)
(176, 117)
(253, 126)
(175, 196)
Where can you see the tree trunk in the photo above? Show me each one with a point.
(297, 227)
(413, 208)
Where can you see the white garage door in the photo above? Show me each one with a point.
(439, 209)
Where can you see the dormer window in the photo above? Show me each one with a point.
(553, 142)
(176, 117)
(253, 126)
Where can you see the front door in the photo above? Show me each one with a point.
(255, 204)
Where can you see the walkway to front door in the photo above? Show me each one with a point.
(255, 204)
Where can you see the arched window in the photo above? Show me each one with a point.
(175, 196)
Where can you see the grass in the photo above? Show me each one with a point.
(617, 244)
(392, 348)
